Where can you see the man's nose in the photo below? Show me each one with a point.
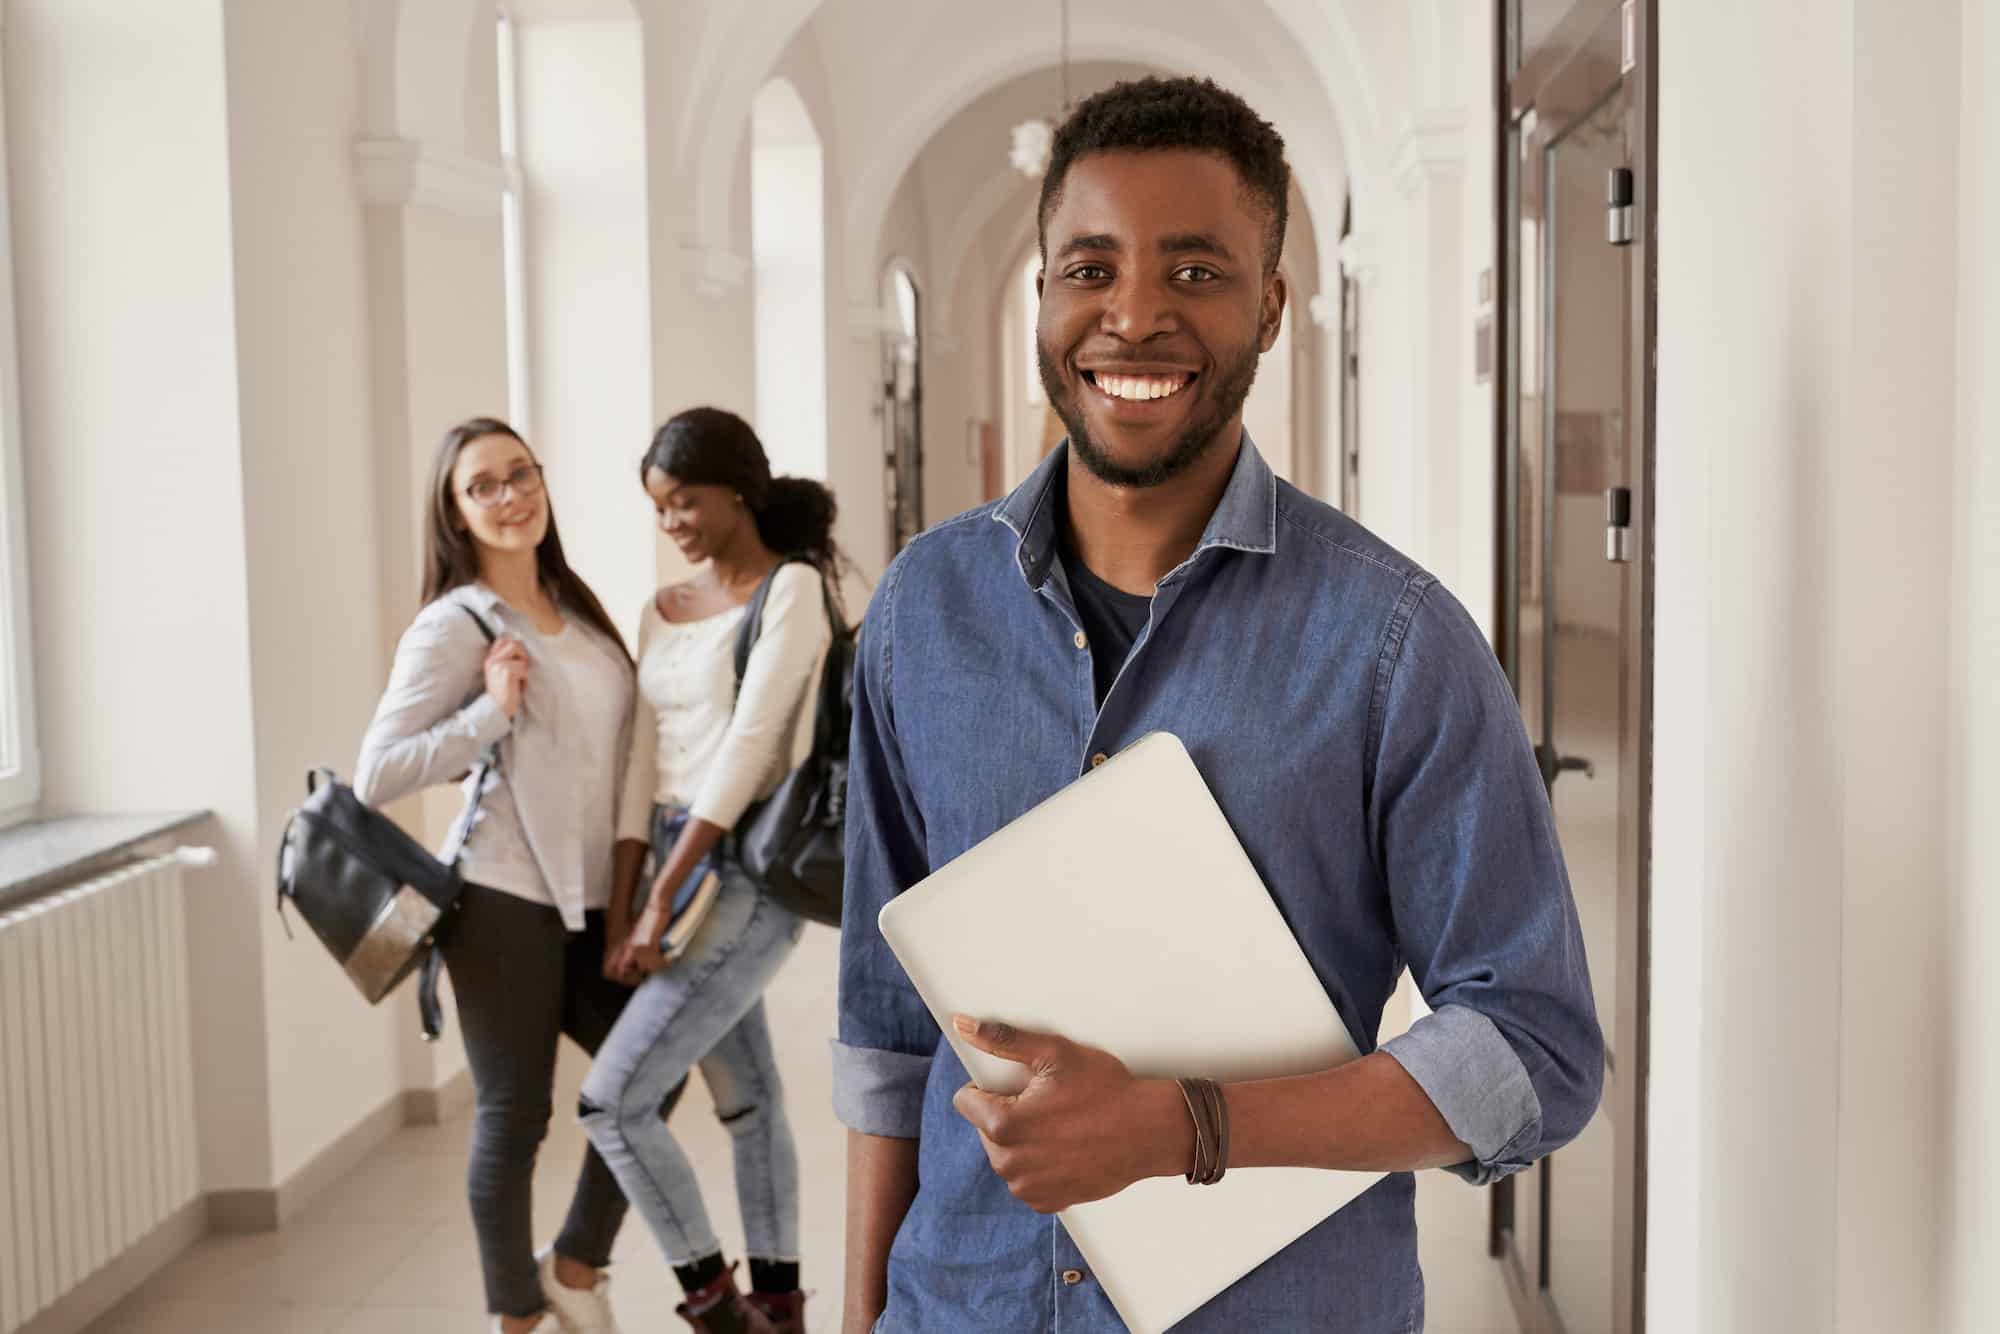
(1137, 307)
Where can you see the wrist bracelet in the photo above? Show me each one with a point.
(1210, 1112)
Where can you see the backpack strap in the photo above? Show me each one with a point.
(430, 1012)
(753, 623)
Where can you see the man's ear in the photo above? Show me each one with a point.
(1273, 312)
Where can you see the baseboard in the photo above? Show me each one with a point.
(434, 1107)
(270, 1209)
(84, 1304)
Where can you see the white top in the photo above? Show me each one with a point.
(548, 816)
(694, 742)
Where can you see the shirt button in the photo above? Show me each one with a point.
(1082, 640)
(1072, 1276)
(1097, 759)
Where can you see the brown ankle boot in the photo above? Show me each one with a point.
(785, 1310)
(720, 1309)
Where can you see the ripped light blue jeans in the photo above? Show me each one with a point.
(705, 1009)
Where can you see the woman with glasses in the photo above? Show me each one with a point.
(529, 951)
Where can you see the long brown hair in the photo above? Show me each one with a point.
(451, 556)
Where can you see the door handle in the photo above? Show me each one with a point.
(1618, 524)
(1552, 764)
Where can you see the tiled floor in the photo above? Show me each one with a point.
(390, 1251)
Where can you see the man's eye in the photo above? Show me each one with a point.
(1090, 273)
(1196, 273)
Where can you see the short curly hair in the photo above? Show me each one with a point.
(1153, 114)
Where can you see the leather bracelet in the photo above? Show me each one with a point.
(1211, 1130)
(1219, 1123)
(1192, 1096)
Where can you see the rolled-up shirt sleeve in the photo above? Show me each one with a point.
(882, 1057)
(1512, 1054)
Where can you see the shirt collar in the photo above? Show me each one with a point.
(1246, 519)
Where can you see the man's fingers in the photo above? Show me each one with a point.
(985, 1111)
(1037, 1051)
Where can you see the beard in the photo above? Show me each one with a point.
(1232, 387)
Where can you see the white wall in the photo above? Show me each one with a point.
(1746, 904)
(1970, 1208)
(583, 162)
(1810, 1138)
(302, 375)
(788, 233)
(133, 462)
(1892, 648)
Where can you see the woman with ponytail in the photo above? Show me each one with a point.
(704, 750)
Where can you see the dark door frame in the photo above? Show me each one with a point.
(1525, 80)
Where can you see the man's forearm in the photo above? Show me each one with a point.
(881, 1182)
(1366, 1116)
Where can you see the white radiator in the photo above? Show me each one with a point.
(97, 1130)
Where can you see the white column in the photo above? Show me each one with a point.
(437, 315)
(1429, 174)
(582, 156)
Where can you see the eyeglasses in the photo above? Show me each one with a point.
(525, 480)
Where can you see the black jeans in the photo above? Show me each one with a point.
(521, 979)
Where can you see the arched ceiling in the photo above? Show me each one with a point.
(1298, 60)
(899, 71)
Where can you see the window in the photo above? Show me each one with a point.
(512, 249)
(20, 767)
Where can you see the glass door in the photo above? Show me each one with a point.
(902, 410)
(1575, 425)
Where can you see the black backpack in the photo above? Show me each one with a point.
(793, 844)
(375, 897)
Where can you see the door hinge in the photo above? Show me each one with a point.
(1618, 524)
(1619, 225)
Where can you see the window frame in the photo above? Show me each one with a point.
(20, 754)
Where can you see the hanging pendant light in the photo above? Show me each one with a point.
(1034, 139)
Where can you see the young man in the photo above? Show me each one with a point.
(1347, 714)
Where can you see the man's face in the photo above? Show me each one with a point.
(1155, 309)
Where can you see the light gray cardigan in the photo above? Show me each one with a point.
(436, 720)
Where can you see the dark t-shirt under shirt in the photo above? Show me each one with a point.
(1113, 618)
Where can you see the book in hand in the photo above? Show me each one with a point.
(689, 907)
(691, 911)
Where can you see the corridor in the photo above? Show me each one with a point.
(1662, 335)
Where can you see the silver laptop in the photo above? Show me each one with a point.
(1123, 913)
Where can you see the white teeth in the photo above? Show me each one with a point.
(1140, 388)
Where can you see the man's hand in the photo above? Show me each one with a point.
(1082, 1129)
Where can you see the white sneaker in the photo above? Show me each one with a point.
(578, 1311)
(548, 1324)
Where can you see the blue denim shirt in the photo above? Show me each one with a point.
(1359, 735)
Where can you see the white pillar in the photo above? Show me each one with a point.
(1429, 174)
(437, 314)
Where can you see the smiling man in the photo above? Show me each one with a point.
(1346, 713)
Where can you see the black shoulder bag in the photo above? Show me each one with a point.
(793, 844)
(375, 897)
